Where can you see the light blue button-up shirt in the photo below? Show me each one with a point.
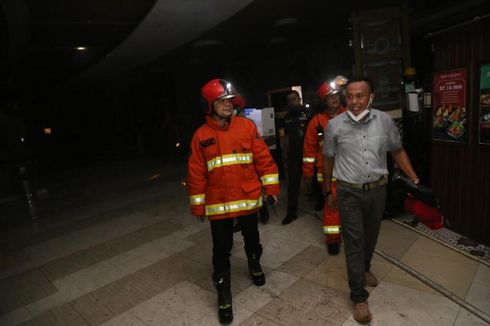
(360, 148)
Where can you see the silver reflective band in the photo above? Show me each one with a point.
(270, 179)
(230, 159)
(319, 177)
(308, 160)
(197, 199)
(234, 206)
(331, 229)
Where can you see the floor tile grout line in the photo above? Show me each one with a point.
(443, 243)
(461, 302)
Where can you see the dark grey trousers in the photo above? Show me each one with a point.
(360, 216)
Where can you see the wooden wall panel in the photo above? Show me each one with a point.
(461, 173)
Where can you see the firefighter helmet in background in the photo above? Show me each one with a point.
(327, 88)
(238, 104)
(409, 71)
(341, 81)
(239, 101)
(213, 90)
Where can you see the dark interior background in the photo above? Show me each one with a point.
(56, 69)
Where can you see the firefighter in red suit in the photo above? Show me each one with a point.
(228, 169)
(330, 97)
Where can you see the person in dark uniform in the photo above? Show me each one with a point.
(292, 135)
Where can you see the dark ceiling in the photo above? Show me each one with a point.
(47, 37)
(50, 42)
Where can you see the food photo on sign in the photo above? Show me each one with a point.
(450, 115)
(450, 120)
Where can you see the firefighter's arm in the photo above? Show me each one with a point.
(265, 165)
(310, 147)
(197, 178)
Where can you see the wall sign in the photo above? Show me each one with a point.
(484, 104)
(449, 119)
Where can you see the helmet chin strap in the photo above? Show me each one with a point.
(213, 112)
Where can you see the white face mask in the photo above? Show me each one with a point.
(363, 113)
(358, 117)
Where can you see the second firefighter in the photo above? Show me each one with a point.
(330, 97)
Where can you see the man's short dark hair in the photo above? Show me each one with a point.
(356, 79)
(292, 92)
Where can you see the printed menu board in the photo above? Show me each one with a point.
(449, 118)
(485, 104)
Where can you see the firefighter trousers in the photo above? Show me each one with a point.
(331, 220)
(222, 232)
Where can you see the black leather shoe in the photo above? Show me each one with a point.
(288, 219)
(333, 248)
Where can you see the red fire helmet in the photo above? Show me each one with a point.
(327, 88)
(216, 89)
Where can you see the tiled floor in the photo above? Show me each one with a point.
(116, 245)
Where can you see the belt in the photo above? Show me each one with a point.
(365, 186)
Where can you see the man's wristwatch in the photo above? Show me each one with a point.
(327, 193)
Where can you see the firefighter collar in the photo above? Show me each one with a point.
(216, 124)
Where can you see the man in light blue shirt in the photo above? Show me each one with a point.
(355, 147)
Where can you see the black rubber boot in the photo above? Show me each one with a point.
(333, 248)
(222, 284)
(254, 268)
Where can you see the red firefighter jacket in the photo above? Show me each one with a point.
(227, 169)
(313, 144)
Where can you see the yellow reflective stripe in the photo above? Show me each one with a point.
(319, 177)
(224, 306)
(270, 179)
(234, 206)
(331, 229)
(229, 159)
(197, 199)
(308, 159)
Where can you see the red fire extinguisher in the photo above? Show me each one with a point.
(422, 203)
(430, 216)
